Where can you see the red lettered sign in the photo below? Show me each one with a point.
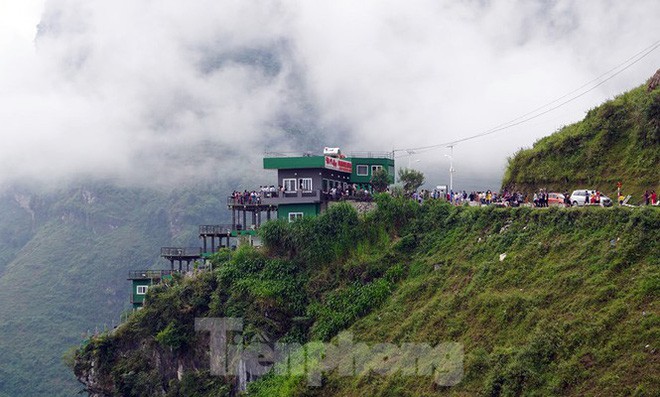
(336, 164)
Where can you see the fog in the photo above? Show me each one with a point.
(160, 92)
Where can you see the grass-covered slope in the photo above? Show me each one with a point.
(571, 310)
(617, 141)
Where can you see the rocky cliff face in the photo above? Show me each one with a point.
(654, 81)
(149, 368)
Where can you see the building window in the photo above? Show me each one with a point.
(362, 170)
(306, 184)
(289, 184)
(375, 168)
(295, 215)
(141, 290)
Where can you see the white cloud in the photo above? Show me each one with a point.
(159, 91)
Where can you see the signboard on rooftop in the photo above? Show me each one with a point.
(331, 151)
(336, 164)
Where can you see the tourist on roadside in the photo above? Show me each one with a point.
(654, 198)
(647, 197)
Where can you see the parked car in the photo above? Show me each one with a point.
(556, 199)
(578, 198)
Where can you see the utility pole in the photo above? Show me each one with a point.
(451, 167)
(410, 153)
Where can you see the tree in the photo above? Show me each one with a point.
(411, 179)
(380, 180)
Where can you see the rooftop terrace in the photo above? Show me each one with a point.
(375, 154)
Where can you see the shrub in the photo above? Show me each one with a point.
(172, 336)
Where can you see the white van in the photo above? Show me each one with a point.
(578, 197)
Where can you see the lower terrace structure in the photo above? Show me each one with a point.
(208, 233)
(141, 280)
(181, 254)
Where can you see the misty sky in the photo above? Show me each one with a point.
(161, 91)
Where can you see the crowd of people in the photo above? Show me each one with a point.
(594, 198)
(254, 197)
(336, 193)
(486, 197)
(505, 198)
(650, 198)
(540, 199)
(352, 191)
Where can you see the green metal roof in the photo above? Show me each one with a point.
(287, 163)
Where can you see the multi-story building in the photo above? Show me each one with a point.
(307, 183)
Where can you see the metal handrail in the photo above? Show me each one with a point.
(149, 273)
(181, 251)
(367, 154)
(215, 229)
(385, 155)
(290, 154)
(238, 201)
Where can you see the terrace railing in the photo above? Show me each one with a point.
(371, 155)
(290, 154)
(155, 274)
(275, 198)
(180, 252)
(215, 229)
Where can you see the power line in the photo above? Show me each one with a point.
(533, 114)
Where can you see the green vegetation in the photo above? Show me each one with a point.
(571, 310)
(380, 180)
(411, 179)
(617, 141)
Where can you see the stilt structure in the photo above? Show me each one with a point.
(181, 254)
(208, 233)
(239, 213)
